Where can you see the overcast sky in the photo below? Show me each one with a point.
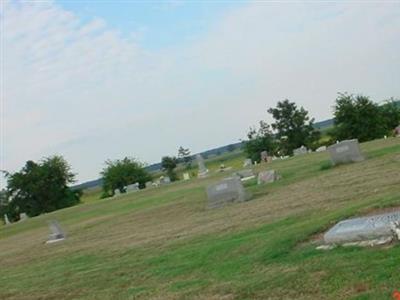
(93, 81)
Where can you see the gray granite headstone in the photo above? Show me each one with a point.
(299, 151)
(321, 149)
(229, 190)
(397, 131)
(267, 176)
(132, 187)
(264, 156)
(202, 167)
(362, 229)
(345, 152)
(57, 234)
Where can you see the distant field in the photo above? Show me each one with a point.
(163, 243)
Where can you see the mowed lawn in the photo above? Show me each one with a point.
(165, 244)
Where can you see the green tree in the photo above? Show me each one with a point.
(293, 127)
(359, 117)
(184, 156)
(40, 188)
(169, 163)
(390, 112)
(259, 140)
(119, 173)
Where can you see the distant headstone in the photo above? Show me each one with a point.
(57, 234)
(363, 229)
(345, 152)
(264, 156)
(165, 180)
(267, 176)
(6, 220)
(23, 216)
(245, 174)
(299, 151)
(186, 176)
(397, 131)
(321, 149)
(229, 190)
(117, 192)
(132, 187)
(202, 167)
(247, 163)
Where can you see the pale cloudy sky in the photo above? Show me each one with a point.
(96, 80)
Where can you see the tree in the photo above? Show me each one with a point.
(358, 117)
(169, 163)
(259, 140)
(293, 127)
(119, 173)
(40, 188)
(390, 112)
(184, 155)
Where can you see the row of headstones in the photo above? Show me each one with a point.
(231, 190)
(342, 152)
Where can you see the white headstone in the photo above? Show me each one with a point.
(321, 149)
(23, 216)
(362, 229)
(299, 151)
(202, 167)
(117, 192)
(186, 176)
(6, 220)
(132, 187)
(57, 234)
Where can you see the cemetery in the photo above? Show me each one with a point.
(217, 236)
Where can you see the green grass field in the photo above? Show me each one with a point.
(164, 243)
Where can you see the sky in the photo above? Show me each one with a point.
(98, 80)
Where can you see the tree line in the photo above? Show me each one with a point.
(44, 186)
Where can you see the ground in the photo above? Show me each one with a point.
(164, 243)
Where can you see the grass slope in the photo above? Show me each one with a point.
(164, 244)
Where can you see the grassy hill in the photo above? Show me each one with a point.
(164, 244)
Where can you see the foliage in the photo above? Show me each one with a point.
(117, 174)
(293, 127)
(40, 188)
(259, 140)
(169, 163)
(184, 156)
(357, 116)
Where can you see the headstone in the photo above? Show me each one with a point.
(149, 184)
(6, 220)
(267, 177)
(247, 163)
(264, 156)
(345, 152)
(321, 149)
(245, 174)
(23, 216)
(57, 234)
(397, 131)
(299, 151)
(117, 192)
(229, 190)
(202, 167)
(132, 187)
(186, 176)
(165, 180)
(362, 229)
